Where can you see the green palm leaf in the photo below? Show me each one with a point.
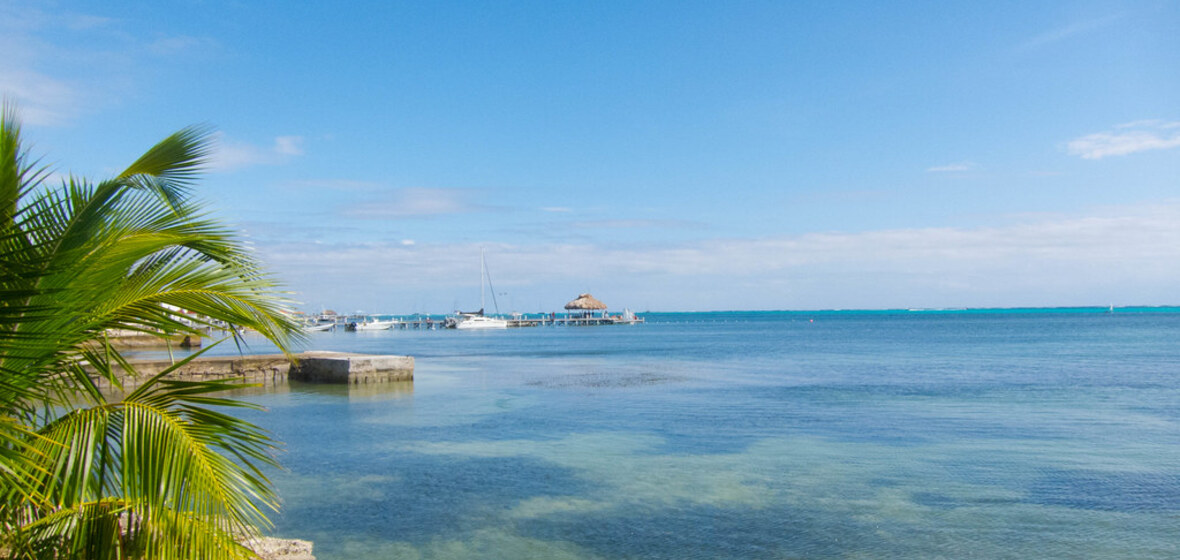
(164, 472)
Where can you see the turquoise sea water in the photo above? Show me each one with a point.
(1005, 434)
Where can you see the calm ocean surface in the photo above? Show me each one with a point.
(1049, 434)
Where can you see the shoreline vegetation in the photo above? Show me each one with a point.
(163, 471)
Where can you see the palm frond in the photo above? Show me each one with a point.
(170, 166)
(166, 471)
(158, 453)
(18, 175)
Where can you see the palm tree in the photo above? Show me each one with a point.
(163, 472)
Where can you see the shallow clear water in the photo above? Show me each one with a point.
(747, 435)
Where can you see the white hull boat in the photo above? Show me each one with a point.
(477, 320)
(373, 325)
(472, 322)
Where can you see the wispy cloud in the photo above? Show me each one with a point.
(1067, 31)
(180, 44)
(953, 167)
(417, 202)
(341, 185)
(1042, 261)
(230, 154)
(58, 64)
(42, 100)
(635, 224)
(289, 145)
(1129, 138)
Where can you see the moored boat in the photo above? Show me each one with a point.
(372, 325)
(477, 320)
(471, 321)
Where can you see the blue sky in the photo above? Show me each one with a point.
(661, 155)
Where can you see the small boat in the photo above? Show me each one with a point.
(477, 320)
(471, 321)
(627, 318)
(316, 327)
(372, 325)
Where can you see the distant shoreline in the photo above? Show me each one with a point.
(943, 310)
(1128, 309)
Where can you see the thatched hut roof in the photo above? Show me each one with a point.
(585, 301)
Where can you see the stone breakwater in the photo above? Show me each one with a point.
(277, 369)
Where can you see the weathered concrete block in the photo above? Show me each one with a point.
(267, 370)
(274, 370)
(341, 367)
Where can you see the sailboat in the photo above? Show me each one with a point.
(477, 320)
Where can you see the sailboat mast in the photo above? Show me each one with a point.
(483, 272)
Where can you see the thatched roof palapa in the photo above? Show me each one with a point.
(585, 301)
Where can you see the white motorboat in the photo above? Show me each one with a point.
(316, 327)
(372, 325)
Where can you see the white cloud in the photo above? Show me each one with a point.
(41, 99)
(81, 22)
(952, 167)
(417, 202)
(1070, 30)
(341, 185)
(1127, 139)
(635, 224)
(229, 155)
(180, 44)
(289, 145)
(1150, 123)
(1121, 256)
(59, 64)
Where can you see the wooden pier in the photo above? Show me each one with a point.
(427, 323)
(585, 311)
(419, 323)
(556, 321)
(576, 318)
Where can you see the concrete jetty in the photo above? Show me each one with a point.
(277, 369)
(342, 367)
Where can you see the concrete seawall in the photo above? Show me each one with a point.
(339, 367)
(276, 369)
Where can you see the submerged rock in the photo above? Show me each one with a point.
(270, 548)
